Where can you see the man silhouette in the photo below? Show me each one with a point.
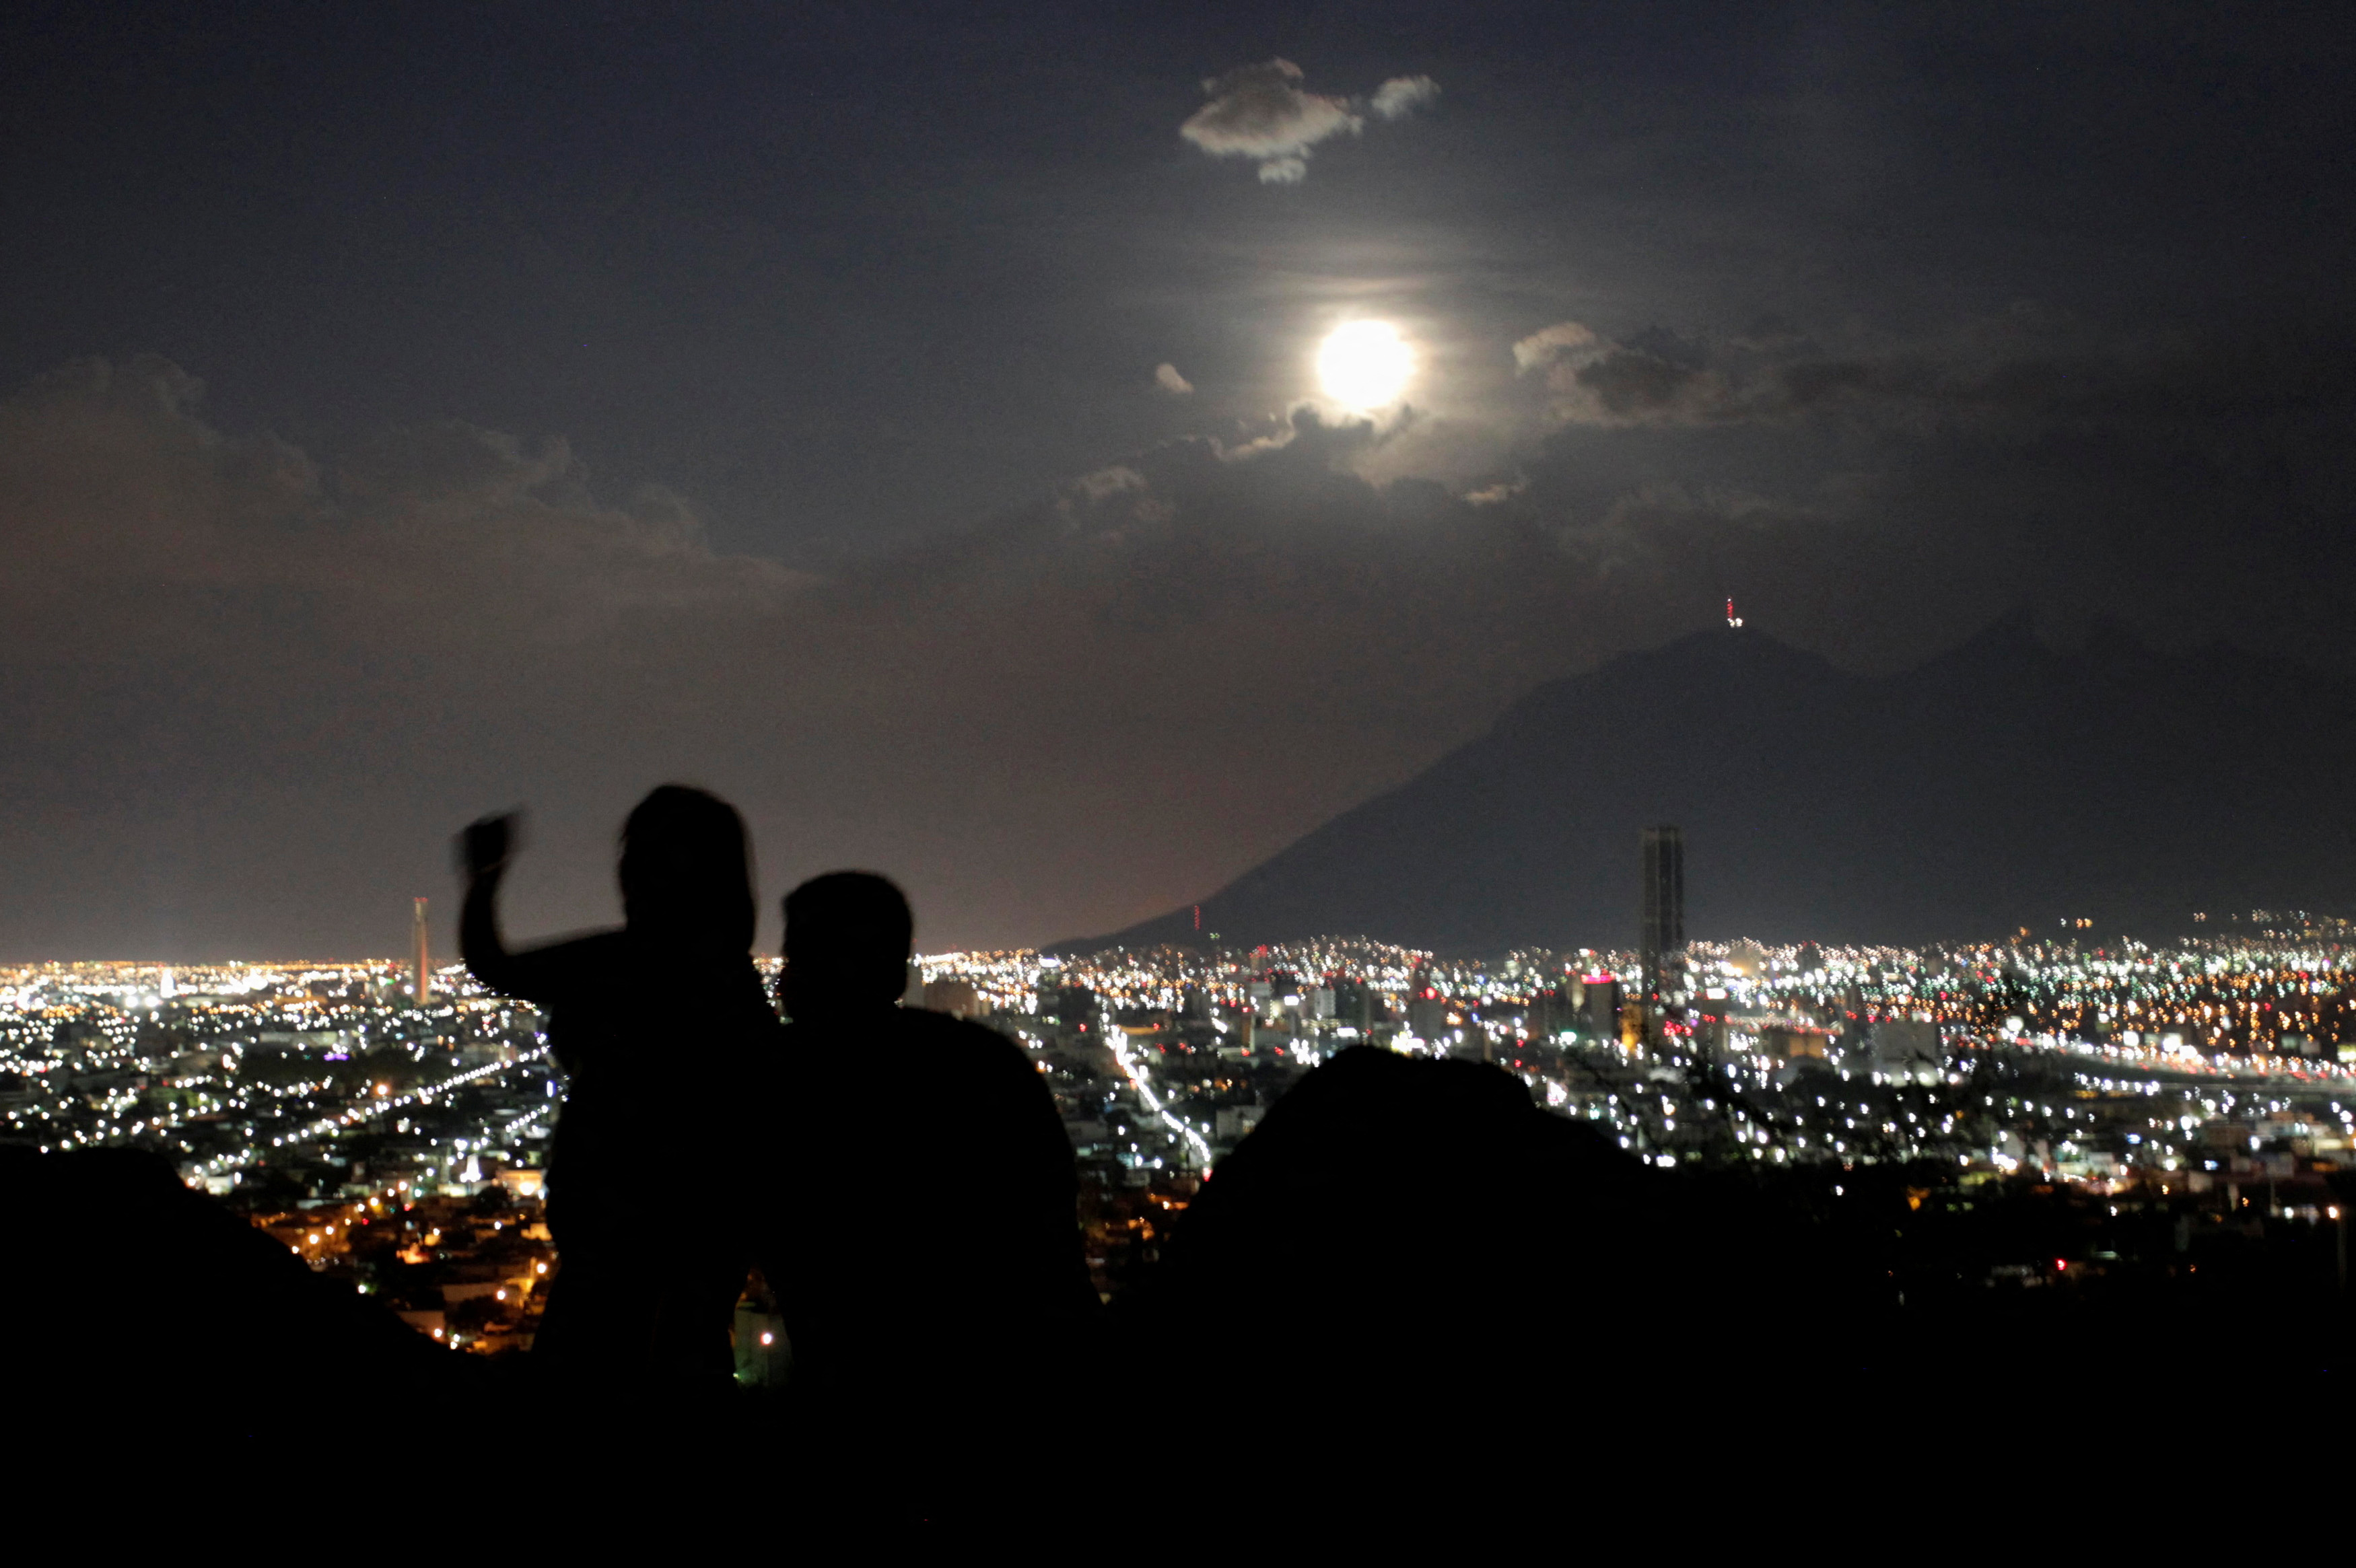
(924, 1238)
(660, 1026)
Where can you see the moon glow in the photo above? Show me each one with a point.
(1364, 365)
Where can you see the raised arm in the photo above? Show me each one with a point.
(483, 850)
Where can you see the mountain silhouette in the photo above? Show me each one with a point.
(2000, 785)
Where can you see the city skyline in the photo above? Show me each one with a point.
(277, 1066)
(2047, 1125)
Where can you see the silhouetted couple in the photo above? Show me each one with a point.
(901, 1178)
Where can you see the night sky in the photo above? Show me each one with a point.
(907, 422)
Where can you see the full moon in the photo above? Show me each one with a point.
(1364, 365)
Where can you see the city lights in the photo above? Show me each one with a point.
(404, 1148)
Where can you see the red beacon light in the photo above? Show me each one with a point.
(1733, 620)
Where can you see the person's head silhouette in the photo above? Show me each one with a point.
(848, 936)
(687, 871)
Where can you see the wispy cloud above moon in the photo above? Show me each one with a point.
(1263, 112)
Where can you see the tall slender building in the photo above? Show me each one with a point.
(425, 991)
(1661, 921)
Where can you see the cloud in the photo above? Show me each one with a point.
(1981, 371)
(1544, 346)
(1261, 112)
(1166, 377)
(2015, 373)
(1657, 380)
(1403, 95)
(1626, 386)
(1107, 482)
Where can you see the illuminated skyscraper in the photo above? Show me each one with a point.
(1598, 998)
(1660, 928)
(424, 989)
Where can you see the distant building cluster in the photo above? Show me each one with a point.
(2212, 1024)
(365, 1130)
(390, 1126)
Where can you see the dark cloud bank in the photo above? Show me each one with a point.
(251, 689)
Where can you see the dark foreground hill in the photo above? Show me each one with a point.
(2000, 785)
